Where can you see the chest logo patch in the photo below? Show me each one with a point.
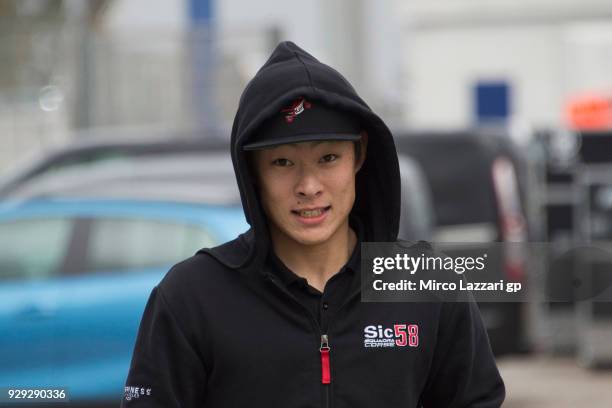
(398, 335)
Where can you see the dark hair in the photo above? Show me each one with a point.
(357, 145)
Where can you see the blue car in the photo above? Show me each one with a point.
(74, 279)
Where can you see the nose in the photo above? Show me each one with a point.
(308, 184)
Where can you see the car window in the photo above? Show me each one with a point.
(123, 244)
(33, 248)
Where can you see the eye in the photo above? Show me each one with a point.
(329, 157)
(282, 162)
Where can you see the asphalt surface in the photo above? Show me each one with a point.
(559, 382)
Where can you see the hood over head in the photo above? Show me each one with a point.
(291, 74)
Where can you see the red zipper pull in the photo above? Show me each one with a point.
(324, 350)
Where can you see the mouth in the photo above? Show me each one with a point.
(311, 212)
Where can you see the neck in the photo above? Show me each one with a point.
(316, 263)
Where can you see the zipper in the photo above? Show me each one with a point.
(324, 348)
(324, 351)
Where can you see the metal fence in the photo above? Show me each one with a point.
(57, 78)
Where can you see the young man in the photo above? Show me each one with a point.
(274, 317)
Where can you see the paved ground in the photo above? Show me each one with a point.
(547, 382)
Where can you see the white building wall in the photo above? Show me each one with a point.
(546, 50)
(443, 65)
(588, 57)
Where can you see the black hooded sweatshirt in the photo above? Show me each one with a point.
(220, 331)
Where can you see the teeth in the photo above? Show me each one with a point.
(311, 213)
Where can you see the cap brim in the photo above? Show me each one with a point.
(299, 138)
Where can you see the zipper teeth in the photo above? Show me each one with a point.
(308, 313)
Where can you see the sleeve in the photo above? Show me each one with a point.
(463, 371)
(165, 370)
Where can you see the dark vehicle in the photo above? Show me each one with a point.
(108, 147)
(188, 175)
(477, 198)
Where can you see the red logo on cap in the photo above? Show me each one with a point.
(295, 109)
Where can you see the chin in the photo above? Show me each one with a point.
(311, 238)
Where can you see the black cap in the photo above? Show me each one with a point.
(305, 121)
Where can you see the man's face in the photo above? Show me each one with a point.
(308, 189)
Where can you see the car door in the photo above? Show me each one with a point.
(100, 304)
(32, 252)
